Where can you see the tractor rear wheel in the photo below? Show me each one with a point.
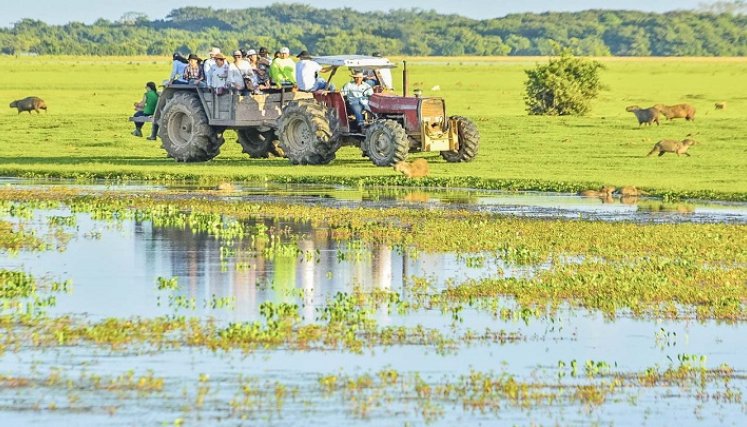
(259, 145)
(305, 134)
(386, 143)
(185, 132)
(469, 141)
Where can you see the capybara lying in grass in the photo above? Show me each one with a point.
(671, 146)
(417, 169)
(31, 103)
(644, 115)
(678, 111)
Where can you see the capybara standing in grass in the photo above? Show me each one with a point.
(644, 115)
(678, 111)
(417, 169)
(32, 103)
(671, 146)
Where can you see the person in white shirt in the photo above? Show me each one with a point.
(357, 93)
(307, 74)
(208, 63)
(236, 73)
(218, 77)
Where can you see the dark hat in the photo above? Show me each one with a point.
(193, 56)
(304, 55)
(262, 50)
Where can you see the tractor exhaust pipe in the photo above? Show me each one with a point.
(405, 89)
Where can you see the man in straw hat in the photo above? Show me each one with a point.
(217, 78)
(357, 92)
(208, 63)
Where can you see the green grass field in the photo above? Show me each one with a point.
(86, 132)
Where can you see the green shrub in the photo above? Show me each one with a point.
(564, 86)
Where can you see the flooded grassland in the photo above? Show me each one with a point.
(153, 308)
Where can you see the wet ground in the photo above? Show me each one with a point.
(115, 267)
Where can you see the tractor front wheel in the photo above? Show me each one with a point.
(469, 141)
(386, 143)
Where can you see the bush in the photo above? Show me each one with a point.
(564, 86)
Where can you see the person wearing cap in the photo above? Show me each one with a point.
(217, 78)
(263, 67)
(283, 69)
(193, 72)
(357, 93)
(236, 73)
(208, 63)
(257, 79)
(307, 74)
(178, 64)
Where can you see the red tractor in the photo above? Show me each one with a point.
(312, 130)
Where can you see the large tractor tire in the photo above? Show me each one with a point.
(185, 132)
(469, 141)
(305, 134)
(259, 145)
(386, 143)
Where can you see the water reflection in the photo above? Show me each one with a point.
(117, 274)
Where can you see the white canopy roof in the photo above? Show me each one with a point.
(354, 61)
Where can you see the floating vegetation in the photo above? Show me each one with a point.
(310, 282)
(652, 206)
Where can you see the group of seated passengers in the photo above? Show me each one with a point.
(253, 72)
(248, 73)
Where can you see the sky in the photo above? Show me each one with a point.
(64, 11)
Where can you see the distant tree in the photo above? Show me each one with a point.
(564, 86)
(133, 18)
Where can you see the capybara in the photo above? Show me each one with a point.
(605, 192)
(31, 103)
(644, 115)
(720, 105)
(671, 146)
(225, 186)
(630, 191)
(678, 111)
(417, 169)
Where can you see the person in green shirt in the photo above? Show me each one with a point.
(283, 69)
(147, 107)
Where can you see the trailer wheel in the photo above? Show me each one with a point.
(259, 145)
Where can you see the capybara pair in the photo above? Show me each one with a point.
(31, 103)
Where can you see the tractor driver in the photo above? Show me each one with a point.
(357, 93)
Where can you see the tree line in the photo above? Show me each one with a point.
(720, 32)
